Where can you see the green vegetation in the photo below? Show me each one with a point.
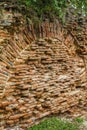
(42, 9)
(58, 124)
(79, 120)
(56, 7)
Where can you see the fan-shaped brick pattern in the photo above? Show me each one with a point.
(39, 75)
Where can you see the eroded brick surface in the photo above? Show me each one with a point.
(40, 72)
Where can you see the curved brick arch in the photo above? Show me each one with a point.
(39, 75)
(12, 45)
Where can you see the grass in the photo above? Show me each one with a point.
(79, 120)
(58, 124)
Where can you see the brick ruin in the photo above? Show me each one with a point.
(43, 70)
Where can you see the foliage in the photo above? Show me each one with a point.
(57, 124)
(50, 8)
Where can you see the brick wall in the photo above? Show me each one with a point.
(40, 72)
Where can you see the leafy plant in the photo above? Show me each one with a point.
(55, 7)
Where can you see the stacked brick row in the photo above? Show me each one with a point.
(40, 73)
(79, 33)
